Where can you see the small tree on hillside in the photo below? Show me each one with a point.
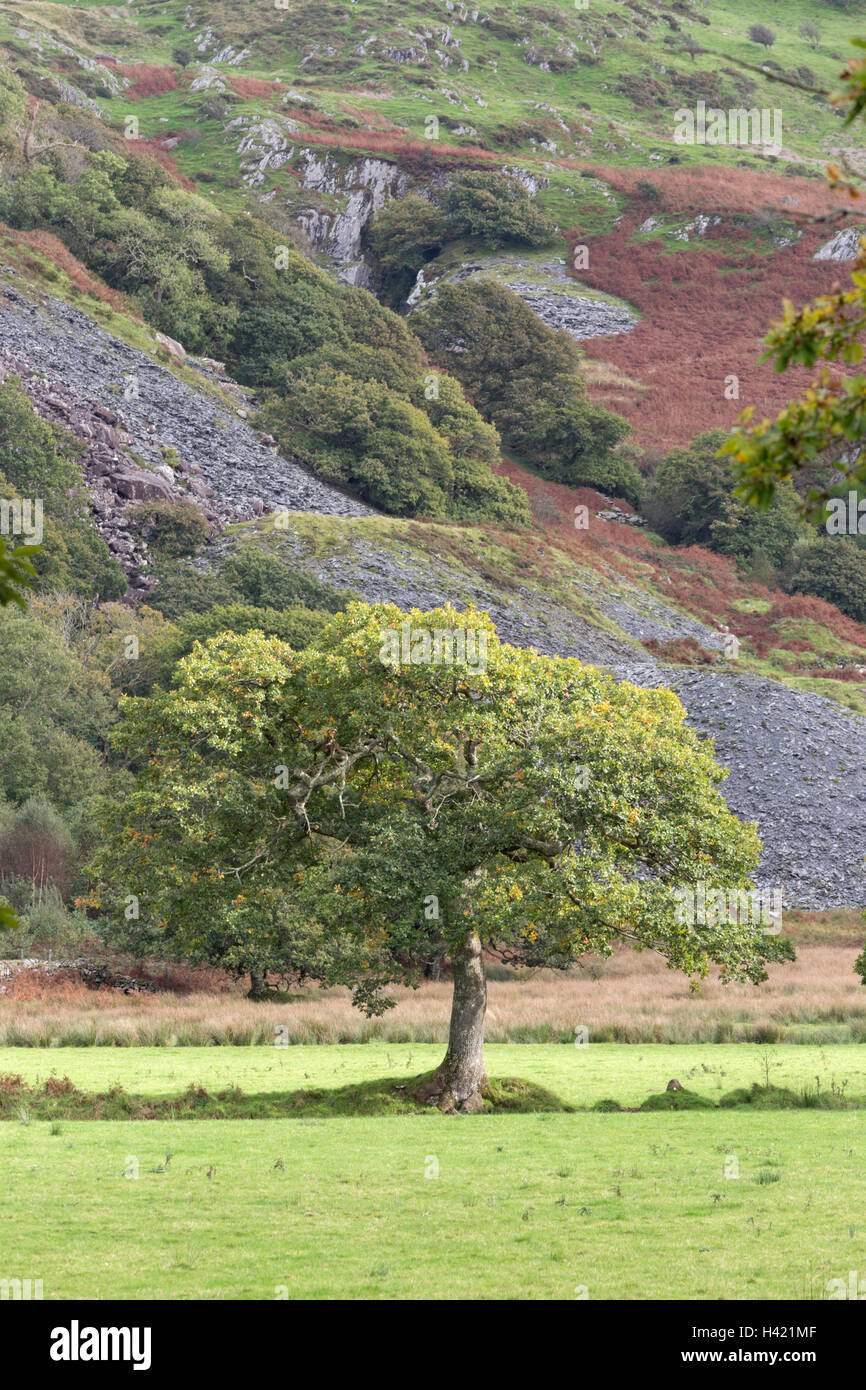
(759, 33)
(393, 805)
(811, 33)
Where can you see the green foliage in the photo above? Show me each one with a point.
(38, 463)
(405, 235)
(361, 434)
(45, 922)
(834, 569)
(304, 809)
(496, 209)
(13, 104)
(693, 503)
(172, 529)
(481, 204)
(249, 576)
(16, 572)
(53, 716)
(525, 376)
(297, 627)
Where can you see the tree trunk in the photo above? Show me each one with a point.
(258, 988)
(458, 1080)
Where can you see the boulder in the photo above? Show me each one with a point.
(139, 486)
(171, 345)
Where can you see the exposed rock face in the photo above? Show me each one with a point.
(362, 189)
(265, 144)
(532, 182)
(582, 318)
(795, 760)
(844, 246)
(545, 287)
(350, 193)
(148, 435)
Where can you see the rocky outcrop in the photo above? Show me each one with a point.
(360, 189)
(147, 434)
(349, 192)
(581, 317)
(545, 287)
(844, 246)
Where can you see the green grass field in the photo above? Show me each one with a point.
(579, 1076)
(697, 1205)
(530, 1207)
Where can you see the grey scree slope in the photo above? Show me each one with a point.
(796, 760)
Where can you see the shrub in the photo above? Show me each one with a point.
(525, 377)
(497, 209)
(171, 529)
(760, 34)
(250, 576)
(692, 503)
(834, 569)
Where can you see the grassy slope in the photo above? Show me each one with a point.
(375, 93)
(370, 103)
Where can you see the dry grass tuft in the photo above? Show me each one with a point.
(629, 998)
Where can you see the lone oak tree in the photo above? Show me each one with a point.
(411, 786)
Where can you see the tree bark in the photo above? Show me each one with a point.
(258, 988)
(458, 1081)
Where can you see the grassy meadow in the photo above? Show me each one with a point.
(524, 1206)
(629, 998)
(310, 1172)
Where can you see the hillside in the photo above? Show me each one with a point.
(223, 241)
(318, 116)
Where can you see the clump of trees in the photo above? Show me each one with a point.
(526, 377)
(230, 288)
(692, 501)
(485, 206)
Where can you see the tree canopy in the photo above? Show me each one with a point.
(526, 377)
(351, 809)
